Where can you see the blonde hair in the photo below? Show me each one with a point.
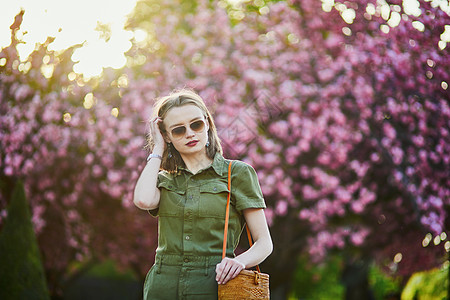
(175, 99)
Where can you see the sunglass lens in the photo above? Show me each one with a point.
(178, 131)
(197, 126)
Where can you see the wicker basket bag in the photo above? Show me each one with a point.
(248, 285)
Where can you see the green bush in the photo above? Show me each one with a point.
(428, 285)
(318, 282)
(383, 285)
(21, 272)
(324, 281)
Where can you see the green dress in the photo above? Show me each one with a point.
(190, 227)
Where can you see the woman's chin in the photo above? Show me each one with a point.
(192, 150)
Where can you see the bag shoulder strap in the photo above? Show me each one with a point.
(227, 217)
(227, 213)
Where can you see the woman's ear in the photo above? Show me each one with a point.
(207, 124)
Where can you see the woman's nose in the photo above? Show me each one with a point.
(189, 132)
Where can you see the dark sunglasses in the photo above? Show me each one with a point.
(180, 131)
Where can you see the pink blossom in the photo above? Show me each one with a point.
(304, 145)
(89, 158)
(287, 89)
(367, 196)
(357, 206)
(324, 158)
(304, 214)
(281, 208)
(284, 188)
(115, 191)
(389, 130)
(398, 176)
(397, 155)
(114, 176)
(8, 171)
(97, 170)
(374, 157)
(358, 237)
(343, 195)
(436, 202)
(309, 192)
(304, 171)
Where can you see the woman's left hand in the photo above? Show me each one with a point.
(228, 269)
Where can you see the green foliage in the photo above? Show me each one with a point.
(428, 285)
(381, 284)
(324, 281)
(103, 280)
(108, 269)
(318, 282)
(21, 273)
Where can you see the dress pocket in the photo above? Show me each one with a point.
(172, 200)
(213, 199)
(202, 286)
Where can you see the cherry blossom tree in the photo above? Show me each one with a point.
(78, 159)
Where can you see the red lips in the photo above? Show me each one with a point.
(192, 143)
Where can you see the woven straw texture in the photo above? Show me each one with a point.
(247, 285)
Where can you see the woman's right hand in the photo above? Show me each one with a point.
(158, 139)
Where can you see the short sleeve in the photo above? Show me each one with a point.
(159, 183)
(245, 188)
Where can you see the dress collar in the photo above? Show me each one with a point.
(218, 165)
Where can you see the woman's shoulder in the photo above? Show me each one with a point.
(239, 166)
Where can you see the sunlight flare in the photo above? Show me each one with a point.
(96, 25)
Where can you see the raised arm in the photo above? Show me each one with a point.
(146, 193)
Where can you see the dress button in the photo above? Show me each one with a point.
(186, 260)
(215, 189)
(188, 237)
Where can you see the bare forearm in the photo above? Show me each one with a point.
(260, 250)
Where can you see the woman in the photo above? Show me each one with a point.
(189, 196)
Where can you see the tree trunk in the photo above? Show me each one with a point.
(355, 278)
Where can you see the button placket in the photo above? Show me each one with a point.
(189, 209)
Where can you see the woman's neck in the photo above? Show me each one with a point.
(196, 161)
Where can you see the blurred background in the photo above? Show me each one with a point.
(342, 107)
